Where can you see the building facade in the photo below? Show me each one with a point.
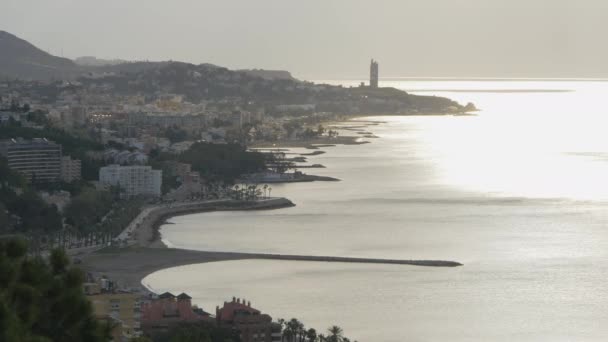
(133, 180)
(373, 74)
(71, 169)
(121, 308)
(252, 325)
(167, 311)
(39, 160)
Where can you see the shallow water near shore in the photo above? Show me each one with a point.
(516, 193)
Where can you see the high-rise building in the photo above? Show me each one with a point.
(373, 74)
(71, 169)
(38, 159)
(133, 180)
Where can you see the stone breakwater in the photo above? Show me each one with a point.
(431, 263)
(143, 252)
(128, 266)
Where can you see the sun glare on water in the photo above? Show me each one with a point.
(557, 147)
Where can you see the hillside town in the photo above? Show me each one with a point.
(86, 162)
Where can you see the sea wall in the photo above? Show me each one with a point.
(143, 231)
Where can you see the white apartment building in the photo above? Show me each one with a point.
(39, 160)
(133, 180)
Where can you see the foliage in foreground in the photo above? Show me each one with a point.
(197, 332)
(43, 301)
(295, 331)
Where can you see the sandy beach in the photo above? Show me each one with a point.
(146, 253)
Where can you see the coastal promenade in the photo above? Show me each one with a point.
(143, 230)
(140, 250)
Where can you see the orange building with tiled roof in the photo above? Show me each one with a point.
(168, 310)
(250, 322)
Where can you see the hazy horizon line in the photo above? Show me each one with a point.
(464, 78)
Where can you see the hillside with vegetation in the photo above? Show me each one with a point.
(21, 59)
(207, 82)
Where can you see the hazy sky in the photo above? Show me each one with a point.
(330, 38)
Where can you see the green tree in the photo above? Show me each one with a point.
(320, 130)
(335, 334)
(197, 332)
(9, 177)
(176, 134)
(140, 339)
(39, 117)
(222, 161)
(311, 335)
(43, 301)
(35, 214)
(191, 335)
(88, 208)
(4, 220)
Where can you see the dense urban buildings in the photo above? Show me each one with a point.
(373, 74)
(132, 180)
(39, 160)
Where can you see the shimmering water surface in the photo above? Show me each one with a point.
(516, 193)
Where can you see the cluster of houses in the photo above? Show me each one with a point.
(133, 314)
(139, 120)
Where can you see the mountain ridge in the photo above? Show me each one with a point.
(21, 59)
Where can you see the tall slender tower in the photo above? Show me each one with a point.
(373, 74)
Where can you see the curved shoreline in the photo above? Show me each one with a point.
(144, 253)
(147, 254)
(129, 266)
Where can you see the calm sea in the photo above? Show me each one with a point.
(517, 193)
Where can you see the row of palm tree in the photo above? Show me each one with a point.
(237, 191)
(295, 331)
(250, 192)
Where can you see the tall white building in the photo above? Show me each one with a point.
(39, 160)
(133, 180)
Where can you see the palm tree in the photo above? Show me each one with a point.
(294, 327)
(335, 334)
(282, 323)
(301, 332)
(236, 191)
(311, 335)
(252, 191)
